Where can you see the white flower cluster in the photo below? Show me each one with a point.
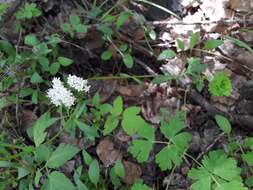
(60, 95)
(78, 83)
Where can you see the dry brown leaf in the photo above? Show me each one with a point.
(131, 90)
(107, 153)
(132, 171)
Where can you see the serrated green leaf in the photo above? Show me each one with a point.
(212, 44)
(131, 120)
(166, 54)
(40, 126)
(215, 166)
(62, 154)
(140, 186)
(233, 185)
(140, 149)
(171, 128)
(94, 172)
(58, 181)
(223, 123)
(220, 85)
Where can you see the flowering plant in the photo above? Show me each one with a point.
(61, 95)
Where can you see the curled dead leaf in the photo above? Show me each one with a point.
(107, 153)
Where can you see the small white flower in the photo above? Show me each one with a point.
(59, 95)
(78, 83)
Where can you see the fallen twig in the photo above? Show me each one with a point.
(205, 22)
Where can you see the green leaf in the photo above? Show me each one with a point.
(7, 47)
(166, 54)
(74, 20)
(240, 43)
(140, 186)
(89, 131)
(119, 169)
(123, 47)
(194, 40)
(54, 68)
(81, 28)
(233, 185)
(111, 123)
(58, 181)
(248, 158)
(140, 149)
(194, 66)
(106, 55)
(171, 128)
(131, 120)
(117, 106)
(212, 44)
(223, 123)
(36, 78)
(115, 180)
(86, 157)
(248, 142)
(162, 78)
(249, 181)
(123, 17)
(62, 154)
(42, 153)
(94, 172)
(174, 152)
(66, 27)
(215, 166)
(37, 177)
(40, 126)
(180, 44)
(31, 40)
(22, 172)
(220, 85)
(65, 61)
(44, 62)
(152, 34)
(128, 60)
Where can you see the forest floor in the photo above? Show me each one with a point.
(185, 65)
